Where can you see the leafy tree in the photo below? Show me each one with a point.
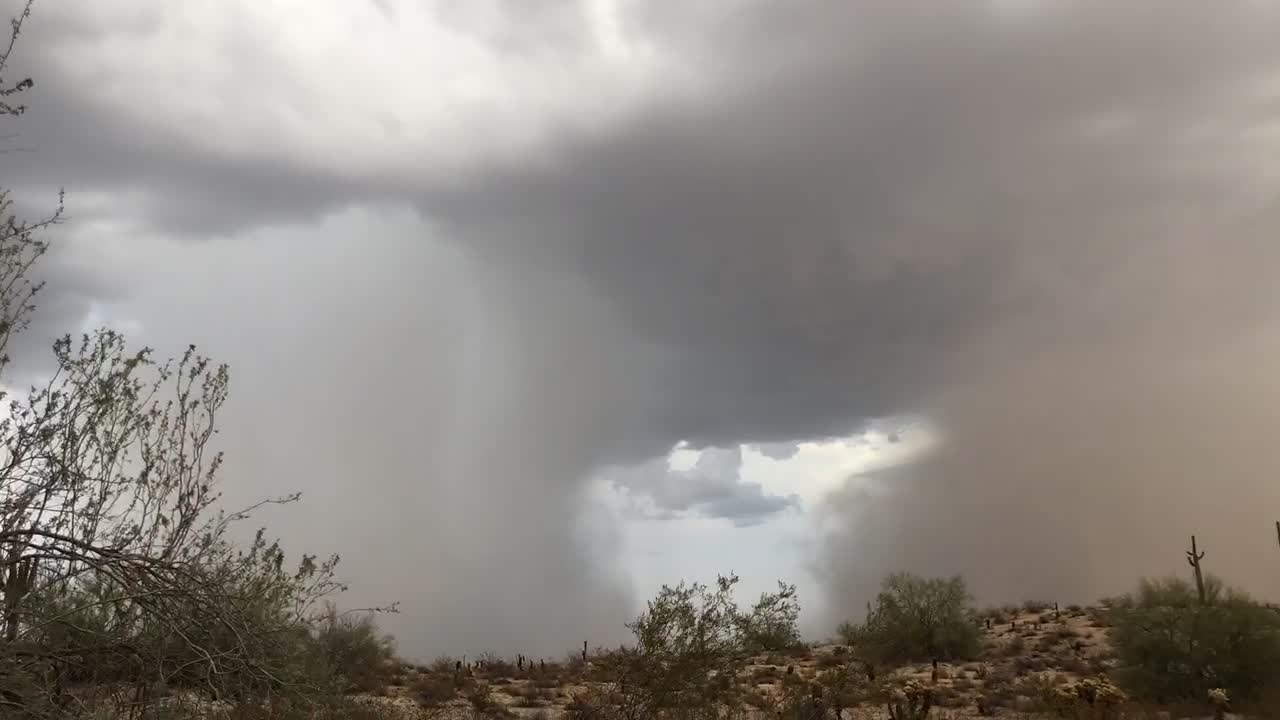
(688, 647)
(917, 618)
(1172, 647)
(772, 623)
(351, 648)
(115, 561)
(690, 644)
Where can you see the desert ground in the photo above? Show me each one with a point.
(1024, 651)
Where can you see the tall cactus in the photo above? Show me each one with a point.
(1194, 556)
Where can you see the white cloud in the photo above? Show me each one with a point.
(356, 88)
(665, 548)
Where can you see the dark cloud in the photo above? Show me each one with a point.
(1004, 223)
(713, 487)
(1046, 228)
(811, 247)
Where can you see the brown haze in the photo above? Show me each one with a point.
(1081, 446)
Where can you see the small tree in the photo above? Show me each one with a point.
(917, 618)
(115, 563)
(689, 645)
(1170, 646)
(353, 649)
(772, 623)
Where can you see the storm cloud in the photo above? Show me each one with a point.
(1046, 228)
(713, 487)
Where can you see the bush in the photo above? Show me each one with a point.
(689, 645)
(771, 624)
(1170, 647)
(917, 618)
(436, 688)
(354, 651)
(119, 570)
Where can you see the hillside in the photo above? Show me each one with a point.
(1024, 652)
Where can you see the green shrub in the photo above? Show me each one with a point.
(771, 624)
(917, 618)
(361, 658)
(1170, 647)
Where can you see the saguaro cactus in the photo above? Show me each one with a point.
(1194, 556)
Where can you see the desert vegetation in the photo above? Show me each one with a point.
(126, 594)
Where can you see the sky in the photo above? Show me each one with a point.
(543, 304)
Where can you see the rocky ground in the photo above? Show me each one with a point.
(1023, 651)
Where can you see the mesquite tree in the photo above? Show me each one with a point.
(116, 566)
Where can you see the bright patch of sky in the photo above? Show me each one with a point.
(667, 548)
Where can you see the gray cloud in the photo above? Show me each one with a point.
(713, 487)
(969, 217)
(1047, 228)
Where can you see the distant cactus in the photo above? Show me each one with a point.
(1193, 559)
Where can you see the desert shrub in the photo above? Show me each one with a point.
(1088, 699)
(770, 626)
(1069, 662)
(546, 681)
(755, 698)
(689, 644)
(493, 665)
(826, 662)
(1066, 633)
(842, 688)
(908, 700)
(436, 688)
(828, 694)
(1029, 664)
(532, 696)
(1171, 647)
(594, 704)
(354, 651)
(1015, 647)
(918, 618)
(120, 574)
(796, 699)
(766, 674)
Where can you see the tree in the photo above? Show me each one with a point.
(116, 564)
(690, 644)
(688, 647)
(772, 623)
(917, 618)
(1170, 646)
